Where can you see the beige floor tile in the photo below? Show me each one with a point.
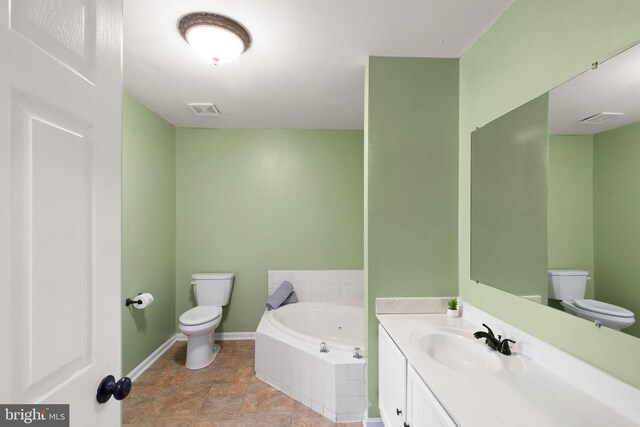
(163, 399)
(229, 389)
(229, 362)
(224, 394)
(321, 421)
(148, 377)
(248, 361)
(253, 400)
(247, 375)
(302, 422)
(276, 401)
(162, 421)
(258, 387)
(139, 391)
(306, 417)
(264, 420)
(203, 423)
(243, 352)
(134, 407)
(189, 401)
(223, 408)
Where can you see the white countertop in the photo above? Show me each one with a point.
(523, 393)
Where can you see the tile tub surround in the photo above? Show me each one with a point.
(344, 287)
(331, 384)
(545, 387)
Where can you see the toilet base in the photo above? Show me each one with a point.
(201, 351)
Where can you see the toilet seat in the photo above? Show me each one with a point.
(602, 308)
(200, 315)
(614, 322)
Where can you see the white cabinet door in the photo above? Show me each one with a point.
(392, 381)
(60, 157)
(423, 409)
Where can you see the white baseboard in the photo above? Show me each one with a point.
(144, 365)
(231, 336)
(225, 336)
(372, 422)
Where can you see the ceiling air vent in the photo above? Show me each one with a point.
(599, 118)
(204, 109)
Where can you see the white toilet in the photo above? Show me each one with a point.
(212, 290)
(568, 286)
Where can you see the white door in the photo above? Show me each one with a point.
(60, 169)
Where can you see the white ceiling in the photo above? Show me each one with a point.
(305, 68)
(613, 87)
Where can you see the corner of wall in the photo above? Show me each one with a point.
(148, 230)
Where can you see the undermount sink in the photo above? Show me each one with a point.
(459, 352)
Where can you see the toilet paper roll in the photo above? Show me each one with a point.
(146, 299)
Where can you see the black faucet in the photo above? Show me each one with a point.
(503, 347)
(497, 344)
(490, 338)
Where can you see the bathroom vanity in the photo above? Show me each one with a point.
(405, 399)
(432, 371)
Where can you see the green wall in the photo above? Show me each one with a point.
(570, 210)
(412, 179)
(148, 230)
(534, 46)
(256, 200)
(509, 203)
(617, 219)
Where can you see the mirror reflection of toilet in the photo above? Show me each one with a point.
(569, 286)
(212, 291)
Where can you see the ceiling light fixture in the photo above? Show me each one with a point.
(214, 37)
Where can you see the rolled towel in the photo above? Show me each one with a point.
(279, 296)
(292, 298)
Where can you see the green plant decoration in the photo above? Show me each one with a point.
(453, 304)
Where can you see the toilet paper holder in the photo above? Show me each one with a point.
(141, 301)
(130, 301)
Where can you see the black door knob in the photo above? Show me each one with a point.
(398, 411)
(109, 387)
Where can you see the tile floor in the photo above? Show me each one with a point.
(226, 393)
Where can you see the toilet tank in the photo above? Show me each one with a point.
(212, 288)
(567, 285)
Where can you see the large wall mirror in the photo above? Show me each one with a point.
(590, 163)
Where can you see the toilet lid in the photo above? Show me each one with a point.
(199, 315)
(602, 308)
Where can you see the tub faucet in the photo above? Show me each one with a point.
(497, 344)
(357, 353)
(323, 347)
